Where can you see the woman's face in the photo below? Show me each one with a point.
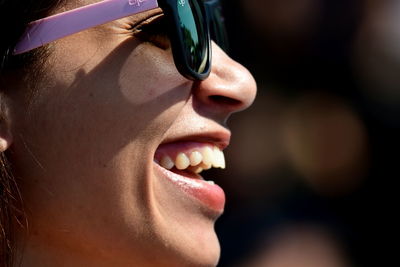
(86, 149)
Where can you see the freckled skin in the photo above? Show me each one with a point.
(83, 152)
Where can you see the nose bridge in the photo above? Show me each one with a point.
(230, 86)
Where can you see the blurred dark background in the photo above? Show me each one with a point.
(311, 170)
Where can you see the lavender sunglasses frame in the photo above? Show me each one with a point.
(46, 30)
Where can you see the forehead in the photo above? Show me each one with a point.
(71, 4)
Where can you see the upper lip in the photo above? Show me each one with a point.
(220, 138)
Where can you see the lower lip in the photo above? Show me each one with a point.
(210, 195)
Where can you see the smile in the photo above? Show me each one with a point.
(193, 157)
(182, 162)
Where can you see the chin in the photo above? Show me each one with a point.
(200, 256)
(184, 206)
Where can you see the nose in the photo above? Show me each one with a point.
(229, 88)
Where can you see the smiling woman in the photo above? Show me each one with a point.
(105, 129)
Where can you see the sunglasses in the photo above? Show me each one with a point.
(193, 24)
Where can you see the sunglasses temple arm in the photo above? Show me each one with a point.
(44, 31)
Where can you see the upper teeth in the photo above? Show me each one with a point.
(196, 161)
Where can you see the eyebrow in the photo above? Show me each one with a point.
(46, 30)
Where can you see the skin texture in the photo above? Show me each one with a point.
(82, 151)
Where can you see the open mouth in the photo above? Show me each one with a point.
(182, 163)
(190, 158)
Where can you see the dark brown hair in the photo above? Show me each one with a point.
(14, 17)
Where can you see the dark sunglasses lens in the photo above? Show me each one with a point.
(217, 27)
(194, 34)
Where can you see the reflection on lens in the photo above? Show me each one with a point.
(193, 34)
(217, 24)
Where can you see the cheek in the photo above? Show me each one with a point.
(87, 138)
(114, 99)
(151, 69)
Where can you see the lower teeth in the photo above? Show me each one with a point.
(210, 182)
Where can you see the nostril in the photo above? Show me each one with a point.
(219, 99)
